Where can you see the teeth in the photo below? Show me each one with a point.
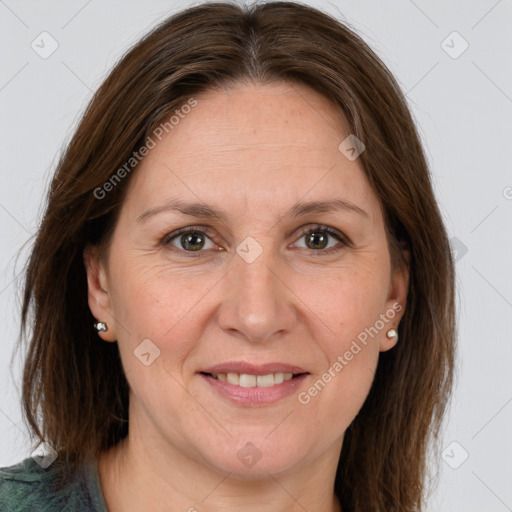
(278, 378)
(233, 378)
(245, 380)
(264, 381)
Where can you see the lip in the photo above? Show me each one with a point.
(256, 396)
(253, 369)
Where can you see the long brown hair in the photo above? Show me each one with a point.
(75, 394)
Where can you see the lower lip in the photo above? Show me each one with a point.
(255, 396)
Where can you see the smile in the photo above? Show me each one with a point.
(248, 385)
(246, 380)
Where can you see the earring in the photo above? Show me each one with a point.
(101, 326)
(392, 333)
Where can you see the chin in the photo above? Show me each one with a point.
(254, 460)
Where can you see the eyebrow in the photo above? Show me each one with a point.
(202, 210)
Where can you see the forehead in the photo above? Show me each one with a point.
(254, 145)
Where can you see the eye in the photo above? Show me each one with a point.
(189, 240)
(317, 239)
(192, 240)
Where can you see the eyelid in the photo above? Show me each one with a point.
(327, 229)
(166, 240)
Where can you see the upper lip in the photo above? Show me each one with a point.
(253, 369)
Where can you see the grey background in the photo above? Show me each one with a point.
(463, 107)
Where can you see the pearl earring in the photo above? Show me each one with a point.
(101, 326)
(392, 333)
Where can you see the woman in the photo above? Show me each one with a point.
(234, 300)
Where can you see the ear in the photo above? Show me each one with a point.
(98, 295)
(397, 299)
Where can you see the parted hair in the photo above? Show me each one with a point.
(74, 392)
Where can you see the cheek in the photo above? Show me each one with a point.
(340, 389)
(351, 303)
(152, 303)
(347, 300)
(160, 315)
(171, 307)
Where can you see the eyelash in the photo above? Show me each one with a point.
(344, 242)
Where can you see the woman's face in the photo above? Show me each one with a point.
(210, 323)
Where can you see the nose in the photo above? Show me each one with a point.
(257, 302)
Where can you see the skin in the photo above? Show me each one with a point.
(253, 150)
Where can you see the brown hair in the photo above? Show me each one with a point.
(75, 394)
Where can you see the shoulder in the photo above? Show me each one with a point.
(27, 486)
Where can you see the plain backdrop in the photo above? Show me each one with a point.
(452, 59)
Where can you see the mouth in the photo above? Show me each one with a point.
(254, 385)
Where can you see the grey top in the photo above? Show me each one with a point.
(28, 487)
